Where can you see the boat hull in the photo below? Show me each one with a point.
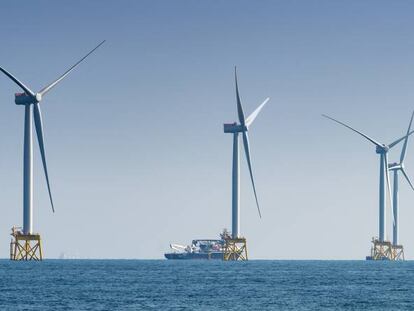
(195, 256)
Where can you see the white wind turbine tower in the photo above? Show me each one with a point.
(384, 179)
(235, 129)
(399, 167)
(31, 102)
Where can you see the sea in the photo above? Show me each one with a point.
(206, 285)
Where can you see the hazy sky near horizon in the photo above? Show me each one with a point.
(134, 137)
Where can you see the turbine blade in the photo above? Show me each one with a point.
(15, 80)
(254, 114)
(53, 84)
(356, 131)
(240, 112)
(247, 151)
(39, 130)
(404, 149)
(407, 178)
(399, 140)
(387, 176)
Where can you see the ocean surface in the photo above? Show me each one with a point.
(206, 285)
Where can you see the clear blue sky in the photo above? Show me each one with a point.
(136, 150)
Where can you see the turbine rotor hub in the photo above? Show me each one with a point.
(38, 97)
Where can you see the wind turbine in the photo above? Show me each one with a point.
(31, 99)
(235, 129)
(399, 167)
(384, 180)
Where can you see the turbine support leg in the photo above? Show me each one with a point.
(395, 240)
(28, 172)
(382, 185)
(235, 217)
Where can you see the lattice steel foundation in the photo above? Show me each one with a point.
(235, 249)
(398, 252)
(25, 246)
(385, 251)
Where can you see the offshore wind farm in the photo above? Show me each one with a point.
(107, 145)
(153, 146)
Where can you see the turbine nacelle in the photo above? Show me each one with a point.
(395, 166)
(234, 128)
(381, 149)
(25, 99)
